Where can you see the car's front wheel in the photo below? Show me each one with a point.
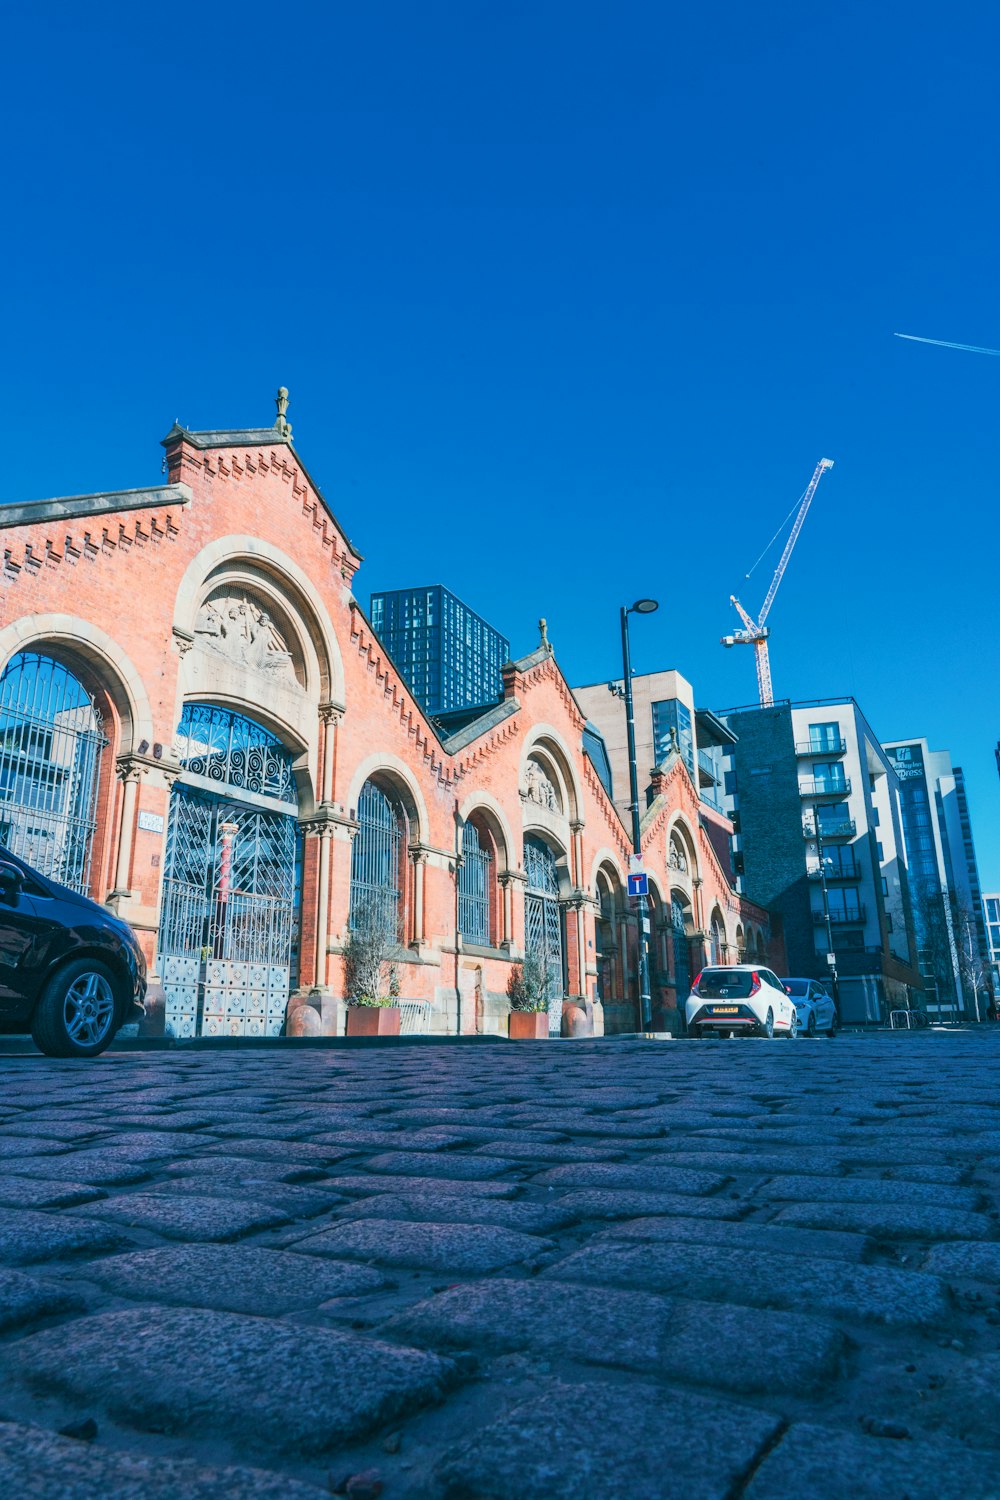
(75, 1016)
(769, 1023)
(811, 1026)
(834, 1025)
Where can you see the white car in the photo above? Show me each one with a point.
(814, 1005)
(740, 998)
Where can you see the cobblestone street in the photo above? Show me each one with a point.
(746, 1269)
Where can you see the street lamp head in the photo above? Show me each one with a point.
(644, 607)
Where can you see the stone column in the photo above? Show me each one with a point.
(129, 772)
(506, 885)
(330, 715)
(323, 908)
(419, 862)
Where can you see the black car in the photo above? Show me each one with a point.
(71, 972)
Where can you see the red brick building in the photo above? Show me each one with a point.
(199, 726)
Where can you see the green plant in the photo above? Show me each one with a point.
(528, 984)
(371, 977)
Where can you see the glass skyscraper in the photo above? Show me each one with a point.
(449, 656)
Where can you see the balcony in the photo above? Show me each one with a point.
(845, 829)
(825, 788)
(849, 871)
(849, 916)
(830, 747)
(708, 774)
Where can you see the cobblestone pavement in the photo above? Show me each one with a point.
(744, 1269)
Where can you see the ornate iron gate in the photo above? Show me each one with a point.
(682, 954)
(230, 900)
(543, 922)
(51, 740)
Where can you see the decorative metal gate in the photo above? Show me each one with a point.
(543, 922)
(230, 888)
(51, 740)
(682, 954)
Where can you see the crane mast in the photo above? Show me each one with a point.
(756, 633)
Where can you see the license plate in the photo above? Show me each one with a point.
(725, 1010)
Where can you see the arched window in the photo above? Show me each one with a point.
(608, 958)
(718, 941)
(475, 880)
(376, 883)
(542, 919)
(682, 953)
(51, 738)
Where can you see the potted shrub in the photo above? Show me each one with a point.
(371, 978)
(527, 991)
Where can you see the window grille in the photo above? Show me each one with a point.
(542, 920)
(682, 959)
(51, 738)
(474, 886)
(232, 751)
(375, 858)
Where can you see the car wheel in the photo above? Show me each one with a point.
(769, 1023)
(834, 1026)
(793, 1027)
(811, 1024)
(76, 1014)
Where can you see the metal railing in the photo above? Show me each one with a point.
(850, 871)
(828, 747)
(850, 916)
(845, 829)
(825, 788)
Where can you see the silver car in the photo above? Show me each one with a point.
(814, 1006)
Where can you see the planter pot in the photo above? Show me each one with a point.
(528, 1025)
(373, 1020)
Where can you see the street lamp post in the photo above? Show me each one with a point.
(640, 607)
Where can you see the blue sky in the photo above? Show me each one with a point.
(570, 299)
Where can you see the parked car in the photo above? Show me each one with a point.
(814, 1004)
(71, 972)
(740, 998)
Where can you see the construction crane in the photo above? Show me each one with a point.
(756, 632)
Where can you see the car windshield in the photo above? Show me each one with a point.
(797, 986)
(725, 984)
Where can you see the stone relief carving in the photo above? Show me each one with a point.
(241, 631)
(539, 789)
(676, 858)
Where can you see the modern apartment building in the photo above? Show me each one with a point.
(450, 658)
(944, 878)
(815, 806)
(991, 913)
(665, 717)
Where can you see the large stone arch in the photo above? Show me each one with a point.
(87, 645)
(545, 742)
(607, 860)
(298, 591)
(398, 775)
(680, 830)
(493, 814)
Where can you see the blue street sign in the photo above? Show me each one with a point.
(638, 884)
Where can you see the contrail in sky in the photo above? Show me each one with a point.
(944, 344)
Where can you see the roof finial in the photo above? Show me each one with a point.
(543, 631)
(281, 402)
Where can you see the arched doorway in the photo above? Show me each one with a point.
(229, 921)
(51, 738)
(681, 951)
(543, 934)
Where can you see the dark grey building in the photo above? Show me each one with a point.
(449, 656)
(817, 836)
